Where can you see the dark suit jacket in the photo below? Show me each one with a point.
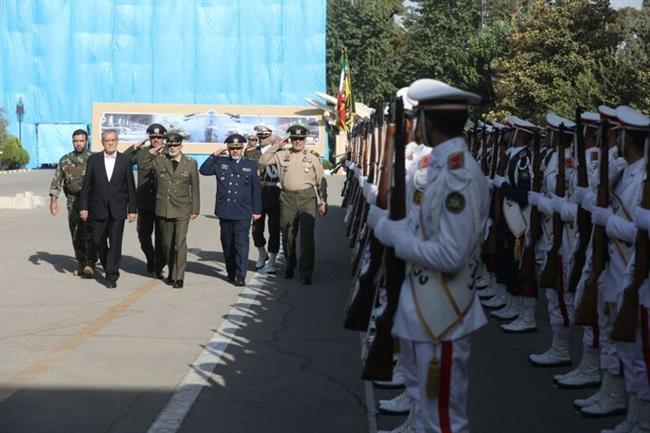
(103, 199)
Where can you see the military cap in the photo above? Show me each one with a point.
(607, 113)
(408, 102)
(156, 130)
(522, 125)
(263, 130)
(174, 138)
(297, 131)
(235, 141)
(554, 121)
(631, 119)
(590, 119)
(436, 95)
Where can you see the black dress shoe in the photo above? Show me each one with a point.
(239, 282)
(178, 284)
(288, 273)
(231, 278)
(169, 281)
(158, 275)
(306, 280)
(111, 284)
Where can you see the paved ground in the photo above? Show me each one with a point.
(77, 357)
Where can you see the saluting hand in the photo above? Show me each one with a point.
(219, 151)
(140, 143)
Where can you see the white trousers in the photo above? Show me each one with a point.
(446, 412)
(560, 308)
(636, 359)
(409, 367)
(609, 359)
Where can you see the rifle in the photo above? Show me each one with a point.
(361, 205)
(626, 322)
(362, 299)
(551, 276)
(526, 278)
(584, 219)
(356, 190)
(484, 159)
(490, 245)
(587, 311)
(379, 363)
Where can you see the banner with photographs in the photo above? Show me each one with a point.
(204, 127)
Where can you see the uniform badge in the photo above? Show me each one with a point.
(246, 170)
(569, 162)
(456, 160)
(225, 166)
(455, 202)
(523, 174)
(594, 156)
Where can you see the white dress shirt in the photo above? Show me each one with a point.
(109, 164)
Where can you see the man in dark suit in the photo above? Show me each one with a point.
(239, 201)
(108, 198)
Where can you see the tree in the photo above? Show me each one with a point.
(368, 31)
(553, 56)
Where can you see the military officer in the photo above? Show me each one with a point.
(270, 204)
(69, 176)
(252, 150)
(146, 198)
(177, 201)
(238, 201)
(438, 309)
(303, 194)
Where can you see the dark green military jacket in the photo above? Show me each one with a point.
(69, 175)
(146, 191)
(177, 191)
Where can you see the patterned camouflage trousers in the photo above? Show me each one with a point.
(81, 233)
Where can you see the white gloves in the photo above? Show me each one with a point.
(642, 218)
(533, 198)
(556, 203)
(588, 202)
(600, 215)
(499, 180)
(568, 212)
(370, 192)
(386, 230)
(374, 215)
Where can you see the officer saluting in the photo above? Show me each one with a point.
(238, 201)
(303, 192)
(177, 201)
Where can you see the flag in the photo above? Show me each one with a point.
(344, 101)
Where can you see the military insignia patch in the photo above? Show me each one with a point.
(455, 202)
(245, 169)
(456, 160)
(417, 197)
(594, 156)
(523, 174)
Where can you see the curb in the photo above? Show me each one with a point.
(20, 170)
(23, 200)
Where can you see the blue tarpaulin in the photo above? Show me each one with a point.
(60, 56)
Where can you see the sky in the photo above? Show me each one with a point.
(617, 4)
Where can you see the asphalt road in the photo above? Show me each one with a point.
(77, 357)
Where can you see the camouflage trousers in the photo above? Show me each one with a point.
(81, 234)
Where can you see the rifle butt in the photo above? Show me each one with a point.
(379, 363)
(627, 321)
(547, 279)
(358, 315)
(587, 312)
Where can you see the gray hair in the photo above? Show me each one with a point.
(105, 132)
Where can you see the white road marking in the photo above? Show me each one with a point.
(201, 372)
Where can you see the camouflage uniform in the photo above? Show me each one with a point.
(69, 177)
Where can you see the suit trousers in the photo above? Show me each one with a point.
(149, 225)
(174, 245)
(235, 244)
(107, 237)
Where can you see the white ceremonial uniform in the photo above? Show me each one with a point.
(454, 212)
(560, 310)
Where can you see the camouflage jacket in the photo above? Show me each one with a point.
(69, 175)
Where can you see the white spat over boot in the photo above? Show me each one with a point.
(525, 322)
(409, 425)
(400, 404)
(511, 310)
(261, 258)
(643, 425)
(631, 418)
(612, 402)
(498, 300)
(595, 398)
(586, 374)
(557, 355)
(396, 382)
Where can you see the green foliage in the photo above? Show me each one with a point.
(367, 29)
(327, 164)
(13, 155)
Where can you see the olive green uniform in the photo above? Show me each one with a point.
(303, 188)
(69, 177)
(177, 197)
(146, 201)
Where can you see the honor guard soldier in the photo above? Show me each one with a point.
(238, 201)
(438, 307)
(177, 201)
(303, 194)
(69, 176)
(270, 204)
(146, 198)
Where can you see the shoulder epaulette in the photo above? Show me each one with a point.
(313, 152)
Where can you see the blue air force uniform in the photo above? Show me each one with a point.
(238, 198)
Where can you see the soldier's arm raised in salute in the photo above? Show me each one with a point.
(270, 157)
